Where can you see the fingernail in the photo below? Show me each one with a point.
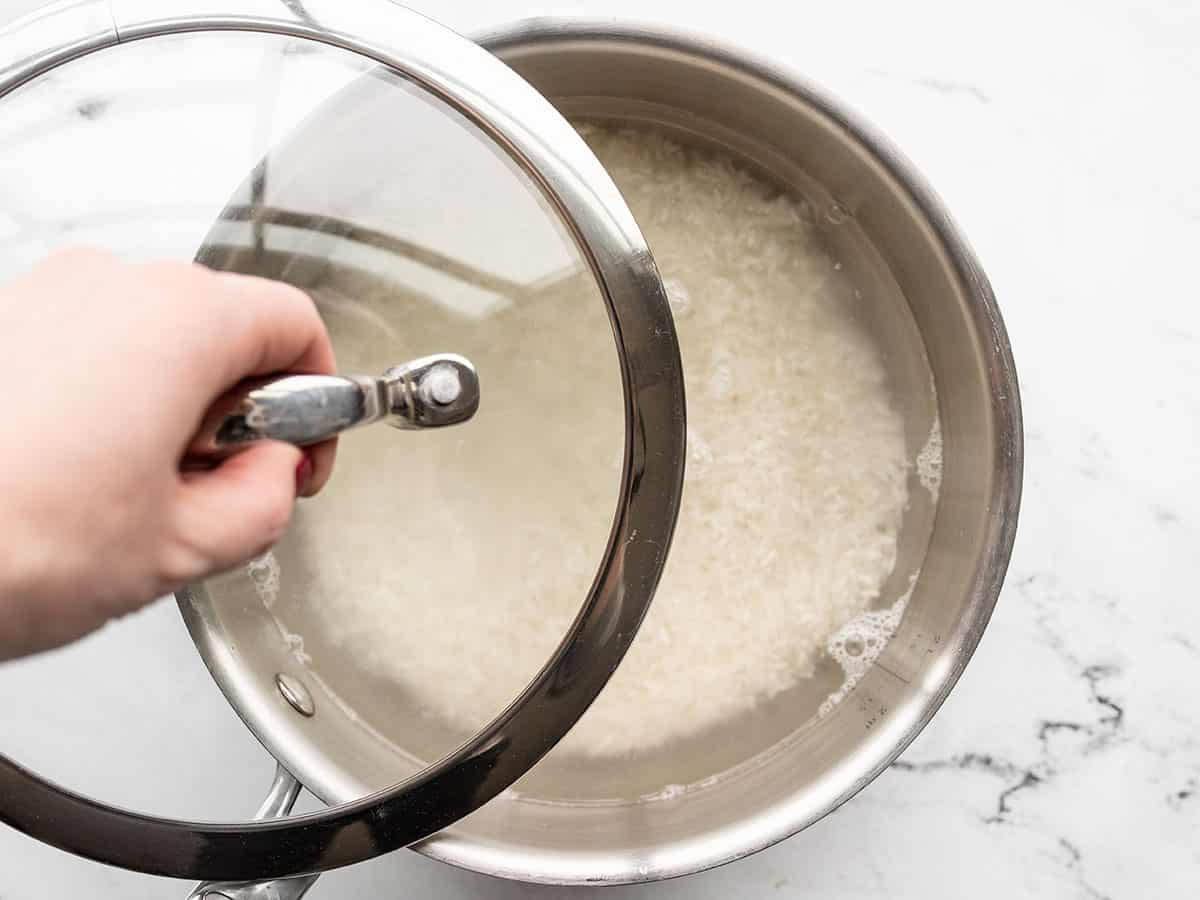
(304, 472)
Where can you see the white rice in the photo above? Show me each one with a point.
(796, 484)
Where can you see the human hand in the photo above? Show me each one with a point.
(108, 370)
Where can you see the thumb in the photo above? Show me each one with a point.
(238, 510)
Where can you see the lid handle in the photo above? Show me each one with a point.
(430, 392)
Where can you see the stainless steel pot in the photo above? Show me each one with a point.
(886, 223)
(936, 319)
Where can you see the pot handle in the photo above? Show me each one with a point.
(278, 803)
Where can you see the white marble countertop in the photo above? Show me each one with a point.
(1063, 136)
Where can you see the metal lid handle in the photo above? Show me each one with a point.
(430, 392)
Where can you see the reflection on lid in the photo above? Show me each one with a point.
(141, 148)
(451, 282)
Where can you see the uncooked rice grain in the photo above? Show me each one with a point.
(795, 489)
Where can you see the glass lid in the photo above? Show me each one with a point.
(429, 201)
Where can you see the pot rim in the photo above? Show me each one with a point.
(793, 814)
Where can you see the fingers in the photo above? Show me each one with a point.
(245, 327)
(283, 333)
(322, 456)
(234, 512)
(280, 331)
(240, 326)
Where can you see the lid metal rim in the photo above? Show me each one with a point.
(512, 113)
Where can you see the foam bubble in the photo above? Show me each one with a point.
(669, 792)
(857, 644)
(929, 460)
(295, 643)
(264, 572)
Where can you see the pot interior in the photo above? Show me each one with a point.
(761, 775)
